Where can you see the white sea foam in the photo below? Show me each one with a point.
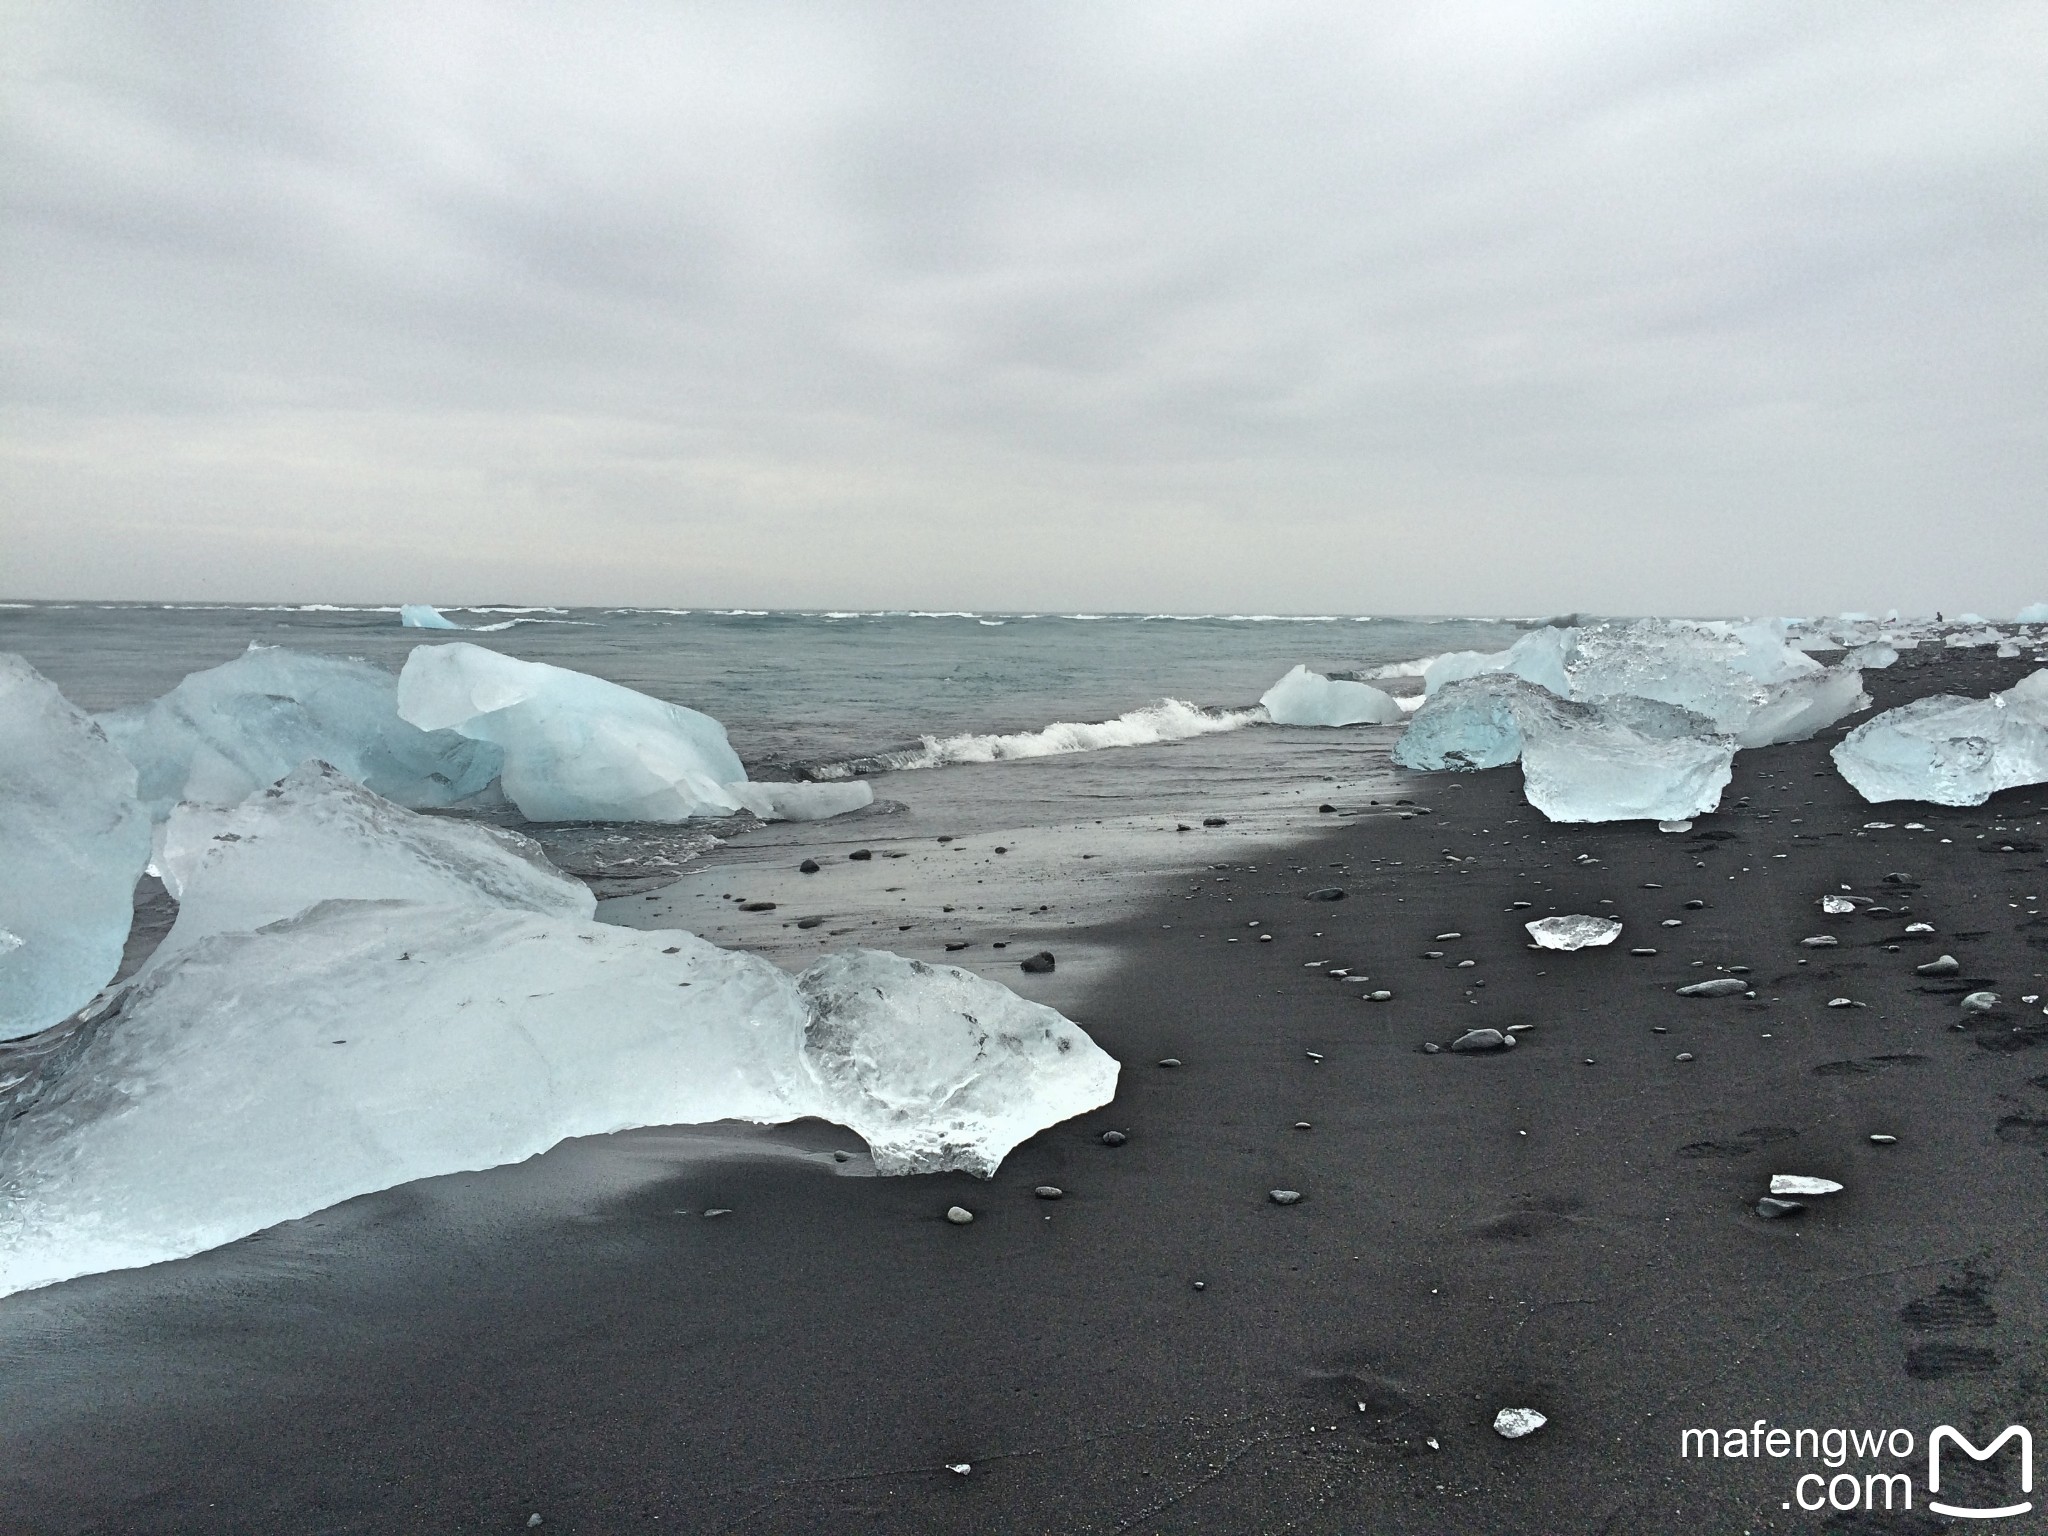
(1168, 720)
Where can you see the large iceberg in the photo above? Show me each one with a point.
(1303, 697)
(226, 732)
(1950, 750)
(73, 842)
(1614, 759)
(257, 1075)
(2033, 613)
(579, 748)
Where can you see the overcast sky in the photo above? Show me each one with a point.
(1435, 307)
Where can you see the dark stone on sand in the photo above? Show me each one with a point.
(1694, 906)
(1170, 1061)
(1772, 1209)
(862, 854)
(1481, 1040)
(757, 906)
(1215, 821)
(1720, 986)
(1002, 850)
(1114, 1138)
(1048, 1192)
(809, 922)
(1326, 893)
(1182, 827)
(1326, 808)
(1284, 1196)
(1039, 963)
(950, 948)
(677, 949)
(808, 867)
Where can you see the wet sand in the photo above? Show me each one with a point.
(1565, 1226)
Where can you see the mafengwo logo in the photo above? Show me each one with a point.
(1841, 1487)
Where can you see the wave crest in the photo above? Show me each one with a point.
(1168, 720)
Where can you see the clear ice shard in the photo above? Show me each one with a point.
(224, 733)
(320, 836)
(938, 1068)
(424, 616)
(73, 842)
(254, 1076)
(1615, 759)
(1303, 697)
(1951, 751)
(1577, 931)
(579, 748)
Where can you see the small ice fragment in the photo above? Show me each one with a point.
(959, 1215)
(1837, 906)
(1578, 931)
(1283, 1196)
(424, 616)
(960, 1468)
(1841, 1002)
(1919, 927)
(1802, 1184)
(1514, 1423)
(1821, 941)
(1878, 826)
(1674, 826)
(1980, 1002)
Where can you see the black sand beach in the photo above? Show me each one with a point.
(1566, 1226)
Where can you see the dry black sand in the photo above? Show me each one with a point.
(1565, 1226)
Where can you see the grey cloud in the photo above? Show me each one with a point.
(1313, 307)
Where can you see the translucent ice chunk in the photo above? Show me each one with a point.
(1474, 724)
(1949, 750)
(938, 1068)
(320, 836)
(579, 748)
(73, 841)
(257, 1077)
(1615, 759)
(1303, 697)
(224, 733)
(1744, 678)
(1577, 931)
(424, 616)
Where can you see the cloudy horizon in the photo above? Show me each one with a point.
(1291, 309)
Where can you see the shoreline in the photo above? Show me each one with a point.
(815, 1360)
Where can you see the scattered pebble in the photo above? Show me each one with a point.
(1215, 821)
(1685, 1056)
(1381, 996)
(1048, 1192)
(1880, 1139)
(1326, 893)
(956, 946)
(1642, 952)
(1039, 964)
(1821, 941)
(1114, 1138)
(1283, 1196)
(1695, 905)
(532, 1521)
(959, 1215)
(1514, 1423)
(862, 854)
(1719, 986)
(757, 906)
(808, 867)
(1482, 1040)
(1771, 1209)
(1169, 1061)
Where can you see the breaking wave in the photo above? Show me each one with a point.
(1168, 720)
